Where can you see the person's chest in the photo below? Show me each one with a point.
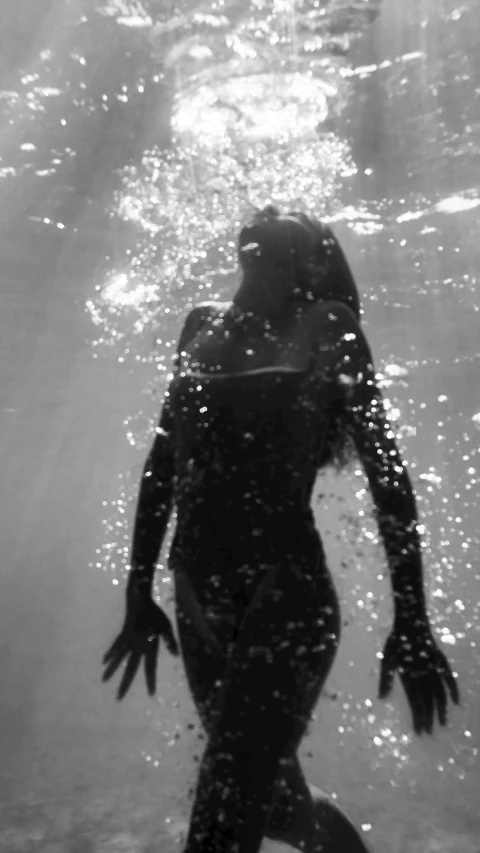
(218, 348)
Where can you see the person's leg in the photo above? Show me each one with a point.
(296, 802)
(298, 806)
(303, 815)
(277, 668)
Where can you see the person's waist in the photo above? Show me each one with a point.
(243, 525)
(246, 506)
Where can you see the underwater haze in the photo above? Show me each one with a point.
(135, 138)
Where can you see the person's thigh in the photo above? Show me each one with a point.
(281, 657)
(204, 667)
(277, 650)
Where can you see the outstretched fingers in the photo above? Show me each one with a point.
(427, 697)
(151, 657)
(129, 673)
(170, 641)
(135, 643)
(440, 695)
(114, 657)
(422, 720)
(428, 684)
(116, 646)
(387, 675)
(451, 682)
(427, 691)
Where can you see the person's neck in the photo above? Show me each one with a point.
(255, 318)
(256, 306)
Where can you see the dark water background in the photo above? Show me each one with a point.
(100, 249)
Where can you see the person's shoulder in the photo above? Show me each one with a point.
(210, 305)
(204, 310)
(200, 314)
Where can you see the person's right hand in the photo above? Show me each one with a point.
(145, 624)
(424, 671)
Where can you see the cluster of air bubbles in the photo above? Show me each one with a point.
(187, 208)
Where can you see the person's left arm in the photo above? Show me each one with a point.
(411, 648)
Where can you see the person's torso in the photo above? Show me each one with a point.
(248, 443)
(229, 342)
(247, 447)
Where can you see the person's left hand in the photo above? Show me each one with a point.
(424, 671)
(145, 623)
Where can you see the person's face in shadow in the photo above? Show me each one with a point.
(274, 251)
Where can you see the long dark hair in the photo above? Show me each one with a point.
(330, 276)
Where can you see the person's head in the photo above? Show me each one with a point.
(273, 251)
(295, 257)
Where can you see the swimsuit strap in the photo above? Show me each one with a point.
(258, 371)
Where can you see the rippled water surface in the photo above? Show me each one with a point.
(134, 142)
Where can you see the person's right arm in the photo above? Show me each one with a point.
(155, 498)
(145, 622)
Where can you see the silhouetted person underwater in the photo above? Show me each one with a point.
(266, 391)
